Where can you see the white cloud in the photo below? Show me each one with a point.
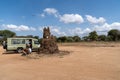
(42, 15)
(56, 31)
(18, 28)
(94, 20)
(22, 28)
(115, 25)
(71, 18)
(101, 29)
(106, 27)
(32, 28)
(66, 18)
(76, 31)
(41, 29)
(51, 11)
(87, 30)
(79, 31)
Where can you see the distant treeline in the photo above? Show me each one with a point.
(112, 35)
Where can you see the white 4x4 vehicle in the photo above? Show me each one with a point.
(18, 44)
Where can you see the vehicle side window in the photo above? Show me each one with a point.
(36, 42)
(18, 41)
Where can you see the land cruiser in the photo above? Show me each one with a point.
(18, 44)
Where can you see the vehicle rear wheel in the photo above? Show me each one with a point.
(19, 50)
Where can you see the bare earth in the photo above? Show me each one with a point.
(83, 63)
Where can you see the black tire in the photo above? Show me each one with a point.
(19, 50)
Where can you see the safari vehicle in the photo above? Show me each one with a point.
(18, 44)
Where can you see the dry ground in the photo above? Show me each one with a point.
(83, 63)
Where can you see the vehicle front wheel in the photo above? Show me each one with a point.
(19, 50)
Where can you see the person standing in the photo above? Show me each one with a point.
(4, 45)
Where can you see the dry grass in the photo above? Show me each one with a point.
(92, 44)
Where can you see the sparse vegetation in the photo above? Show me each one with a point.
(4, 34)
(112, 35)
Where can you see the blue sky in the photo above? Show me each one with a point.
(64, 17)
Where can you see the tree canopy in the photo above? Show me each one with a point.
(102, 37)
(93, 36)
(114, 34)
(7, 33)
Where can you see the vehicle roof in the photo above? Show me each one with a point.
(21, 38)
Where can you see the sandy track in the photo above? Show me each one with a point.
(84, 63)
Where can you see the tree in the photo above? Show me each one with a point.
(76, 38)
(7, 33)
(86, 38)
(70, 39)
(108, 38)
(30, 36)
(37, 37)
(102, 37)
(114, 34)
(93, 36)
(62, 39)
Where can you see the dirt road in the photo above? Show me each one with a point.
(83, 63)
